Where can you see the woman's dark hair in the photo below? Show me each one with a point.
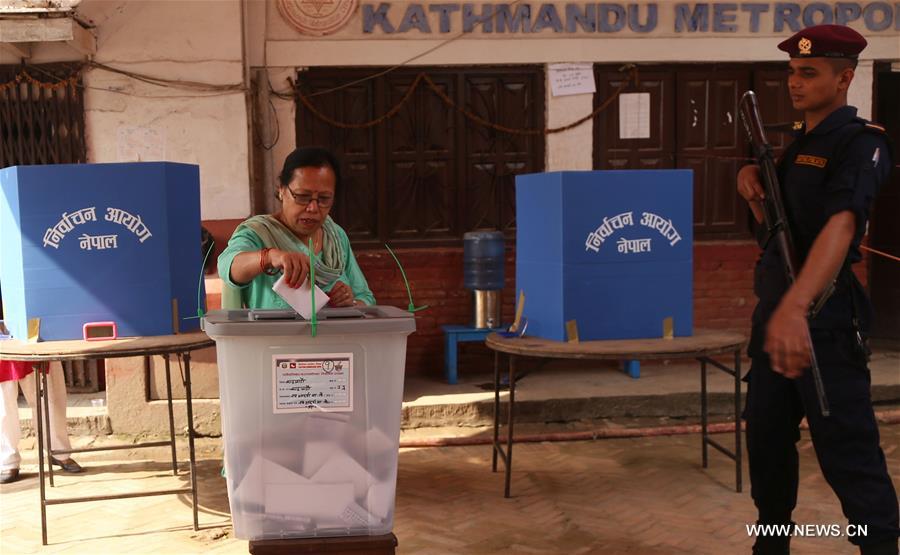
(309, 157)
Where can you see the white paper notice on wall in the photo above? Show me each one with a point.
(140, 144)
(321, 382)
(634, 116)
(569, 79)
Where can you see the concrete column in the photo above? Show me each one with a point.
(862, 88)
(572, 149)
(285, 117)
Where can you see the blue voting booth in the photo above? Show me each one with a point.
(611, 250)
(100, 243)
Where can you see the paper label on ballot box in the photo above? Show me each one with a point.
(321, 382)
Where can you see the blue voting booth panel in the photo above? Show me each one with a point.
(100, 242)
(612, 250)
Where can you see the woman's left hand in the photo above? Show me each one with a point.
(341, 295)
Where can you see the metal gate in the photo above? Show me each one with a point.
(83, 376)
(41, 115)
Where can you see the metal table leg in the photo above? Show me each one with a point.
(496, 410)
(735, 455)
(190, 418)
(511, 418)
(46, 400)
(738, 470)
(171, 415)
(704, 413)
(39, 427)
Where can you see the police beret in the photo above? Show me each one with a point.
(829, 41)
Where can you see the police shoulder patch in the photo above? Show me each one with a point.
(808, 160)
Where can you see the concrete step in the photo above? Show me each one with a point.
(557, 392)
(565, 391)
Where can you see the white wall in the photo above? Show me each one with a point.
(200, 40)
(188, 40)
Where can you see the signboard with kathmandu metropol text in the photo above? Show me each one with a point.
(435, 20)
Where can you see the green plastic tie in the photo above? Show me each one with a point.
(312, 284)
(200, 313)
(412, 306)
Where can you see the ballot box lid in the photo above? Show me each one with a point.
(330, 321)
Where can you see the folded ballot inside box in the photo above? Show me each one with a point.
(322, 503)
(380, 499)
(341, 467)
(322, 436)
(261, 474)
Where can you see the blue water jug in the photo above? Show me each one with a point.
(483, 260)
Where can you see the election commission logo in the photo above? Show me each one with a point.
(317, 17)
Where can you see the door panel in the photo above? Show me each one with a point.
(656, 152)
(884, 227)
(694, 125)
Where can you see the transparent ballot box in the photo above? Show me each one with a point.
(311, 424)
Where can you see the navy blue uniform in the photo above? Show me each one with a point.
(838, 166)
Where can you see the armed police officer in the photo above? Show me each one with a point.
(829, 176)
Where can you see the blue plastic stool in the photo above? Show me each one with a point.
(632, 368)
(453, 335)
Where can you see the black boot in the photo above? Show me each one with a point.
(772, 545)
(888, 547)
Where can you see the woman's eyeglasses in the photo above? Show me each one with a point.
(303, 199)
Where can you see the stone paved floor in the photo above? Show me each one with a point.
(632, 496)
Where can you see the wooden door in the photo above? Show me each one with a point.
(711, 142)
(884, 226)
(431, 172)
(611, 152)
(694, 124)
(493, 158)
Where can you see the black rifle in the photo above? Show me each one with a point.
(777, 224)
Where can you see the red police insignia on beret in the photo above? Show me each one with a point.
(829, 41)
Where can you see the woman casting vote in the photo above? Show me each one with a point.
(263, 247)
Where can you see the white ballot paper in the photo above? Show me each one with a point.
(355, 516)
(260, 473)
(300, 298)
(377, 444)
(321, 502)
(380, 499)
(342, 468)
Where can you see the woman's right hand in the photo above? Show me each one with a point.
(294, 265)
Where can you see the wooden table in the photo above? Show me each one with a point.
(45, 352)
(701, 346)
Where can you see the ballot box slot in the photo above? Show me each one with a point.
(291, 315)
